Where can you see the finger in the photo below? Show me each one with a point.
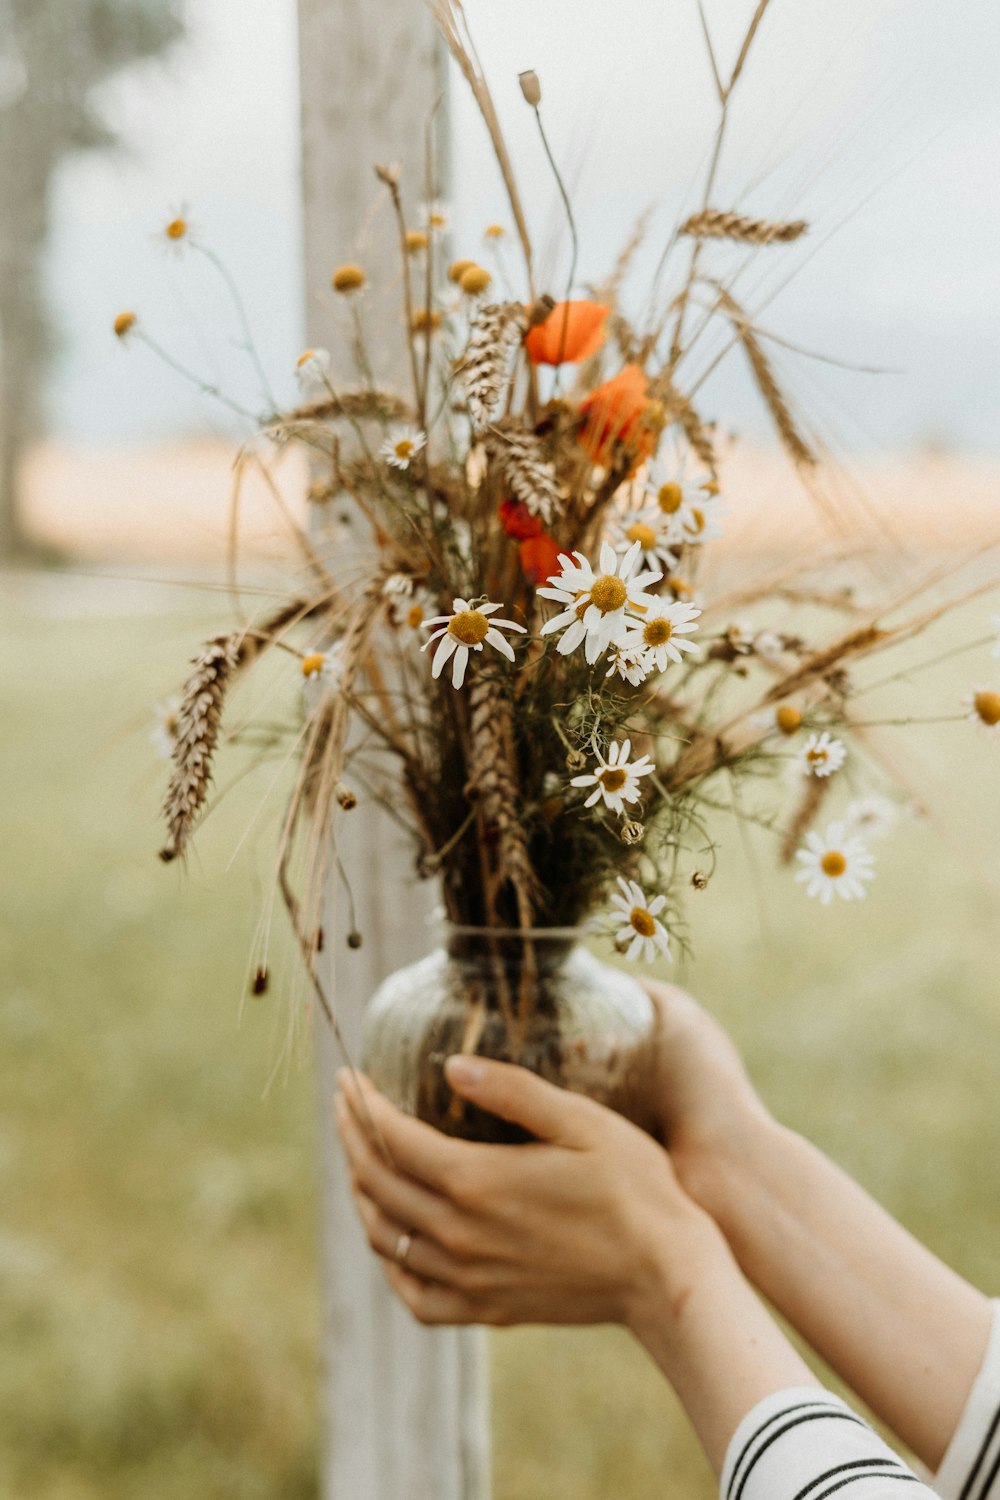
(433, 1304)
(401, 1198)
(424, 1258)
(417, 1149)
(516, 1094)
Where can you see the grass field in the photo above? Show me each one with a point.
(158, 1298)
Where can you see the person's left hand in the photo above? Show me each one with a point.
(586, 1224)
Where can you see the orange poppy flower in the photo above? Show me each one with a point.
(618, 419)
(572, 331)
(539, 558)
(517, 520)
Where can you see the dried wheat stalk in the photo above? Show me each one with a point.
(520, 456)
(715, 224)
(678, 408)
(485, 368)
(795, 445)
(358, 406)
(493, 785)
(198, 721)
(813, 796)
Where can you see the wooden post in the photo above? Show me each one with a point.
(404, 1406)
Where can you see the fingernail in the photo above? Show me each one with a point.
(464, 1071)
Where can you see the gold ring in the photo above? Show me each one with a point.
(402, 1249)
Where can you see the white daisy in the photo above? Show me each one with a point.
(630, 666)
(404, 445)
(838, 863)
(769, 646)
(871, 816)
(163, 735)
(983, 704)
(397, 583)
(697, 514)
(597, 602)
(616, 779)
(822, 754)
(323, 668)
(650, 528)
(465, 631)
(638, 932)
(661, 632)
(739, 637)
(312, 368)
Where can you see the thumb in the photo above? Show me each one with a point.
(520, 1096)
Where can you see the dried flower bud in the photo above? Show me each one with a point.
(124, 323)
(414, 240)
(699, 880)
(474, 280)
(388, 172)
(551, 809)
(632, 832)
(575, 760)
(530, 87)
(345, 796)
(540, 310)
(261, 980)
(319, 941)
(426, 320)
(458, 268)
(788, 718)
(494, 231)
(348, 278)
(354, 939)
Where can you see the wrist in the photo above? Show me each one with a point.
(682, 1254)
(727, 1174)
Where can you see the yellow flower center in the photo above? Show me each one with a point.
(788, 719)
(612, 778)
(436, 220)
(657, 632)
(987, 706)
(312, 663)
(833, 863)
(697, 519)
(347, 278)
(640, 532)
(669, 498)
(608, 593)
(680, 585)
(642, 922)
(415, 616)
(124, 322)
(469, 626)
(495, 231)
(304, 358)
(404, 448)
(176, 229)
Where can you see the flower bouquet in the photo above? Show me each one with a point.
(520, 664)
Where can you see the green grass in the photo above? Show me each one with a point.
(158, 1296)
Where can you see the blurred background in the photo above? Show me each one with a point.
(158, 1293)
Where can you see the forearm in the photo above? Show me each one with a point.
(901, 1328)
(717, 1345)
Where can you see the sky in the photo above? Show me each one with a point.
(877, 120)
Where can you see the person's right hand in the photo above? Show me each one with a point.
(705, 1107)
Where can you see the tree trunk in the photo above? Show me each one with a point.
(405, 1407)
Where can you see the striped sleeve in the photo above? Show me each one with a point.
(970, 1469)
(807, 1444)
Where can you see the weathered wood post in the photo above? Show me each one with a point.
(404, 1407)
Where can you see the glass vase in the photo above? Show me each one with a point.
(536, 997)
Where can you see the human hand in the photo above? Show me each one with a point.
(705, 1107)
(586, 1224)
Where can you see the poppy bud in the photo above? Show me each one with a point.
(530, 87)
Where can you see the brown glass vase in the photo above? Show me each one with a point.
(536, 997)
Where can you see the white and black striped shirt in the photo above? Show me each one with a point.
(807, 1444)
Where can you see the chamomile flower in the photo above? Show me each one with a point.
(838, 863)
(984, 710)
(323, 668)
(650, 528)
(466, 630)
(821, 754)
(871, 816)
(662, 630)
(616, 779)
(638, 931)
(401, 449)
(178, 231)
(597, 604)
(630, 666)
(312, 368)
(163, 735)
(695, 512)
(739, 637)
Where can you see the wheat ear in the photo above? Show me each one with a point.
(715, 224)
(485, 368)
(520, 456)
(792, 440)
(493, 787)
(198, 721)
